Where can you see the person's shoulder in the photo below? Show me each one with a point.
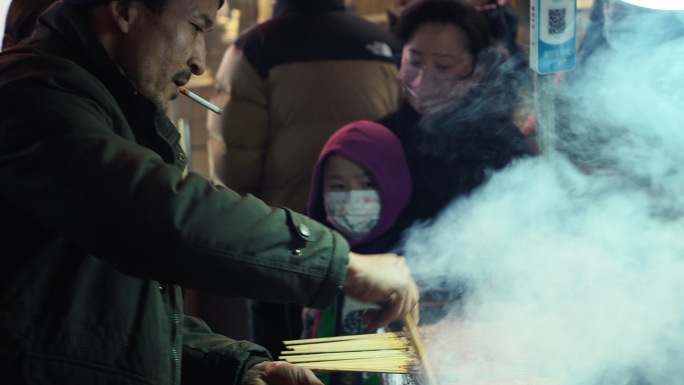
(252, 34)
(388, 120)
(506, 139)
(358, 24)
(22, 62)
(401, 120)
(330, 37)
(40, 77)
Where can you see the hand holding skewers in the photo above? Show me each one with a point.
(386, 280)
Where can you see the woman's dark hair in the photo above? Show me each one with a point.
(155, 6)
(158, 5)
(463, 16)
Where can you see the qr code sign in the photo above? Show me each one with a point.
(556, 21)
(552, 35)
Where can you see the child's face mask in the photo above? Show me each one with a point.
(354, 213)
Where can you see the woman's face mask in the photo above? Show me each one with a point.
(355, 213)
(429, 92)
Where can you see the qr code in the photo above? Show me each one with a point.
(556, 21)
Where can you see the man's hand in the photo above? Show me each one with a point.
(386, 280)
(280, 373)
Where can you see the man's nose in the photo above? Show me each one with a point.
(197, 62)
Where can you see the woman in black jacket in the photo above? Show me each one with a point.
(456, 124)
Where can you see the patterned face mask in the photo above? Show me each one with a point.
(430, 92)
(354, 213)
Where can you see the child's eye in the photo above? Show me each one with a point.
(369, 184)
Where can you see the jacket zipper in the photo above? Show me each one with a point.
(176, 329)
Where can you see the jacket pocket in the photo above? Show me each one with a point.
(51, 370)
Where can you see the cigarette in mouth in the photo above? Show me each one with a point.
(199, 100)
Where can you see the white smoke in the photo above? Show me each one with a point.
(574, 262)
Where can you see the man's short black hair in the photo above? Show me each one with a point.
(155, 5)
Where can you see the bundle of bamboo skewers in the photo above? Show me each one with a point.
(393, 352)
(385, 353)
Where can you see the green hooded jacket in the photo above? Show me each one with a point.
(100, 227)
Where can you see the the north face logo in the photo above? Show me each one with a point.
(379, 48)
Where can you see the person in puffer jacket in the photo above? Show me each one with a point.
(290, 82)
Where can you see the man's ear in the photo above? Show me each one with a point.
(123, 13)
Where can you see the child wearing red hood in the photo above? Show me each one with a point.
(361, 184)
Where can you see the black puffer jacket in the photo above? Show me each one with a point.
(453, 152)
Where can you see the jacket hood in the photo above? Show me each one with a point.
(282, 6)
(379, 151)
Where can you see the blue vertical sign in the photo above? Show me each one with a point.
(553, 32)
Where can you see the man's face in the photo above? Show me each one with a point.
(161, 51)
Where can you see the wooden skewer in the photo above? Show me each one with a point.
(383, 369)
(389, 335)
(420, 349)
(364, 365)
(349, 346)
(375, 354)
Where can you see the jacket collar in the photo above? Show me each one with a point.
(65, 31)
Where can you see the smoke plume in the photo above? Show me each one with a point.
(573, 261)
